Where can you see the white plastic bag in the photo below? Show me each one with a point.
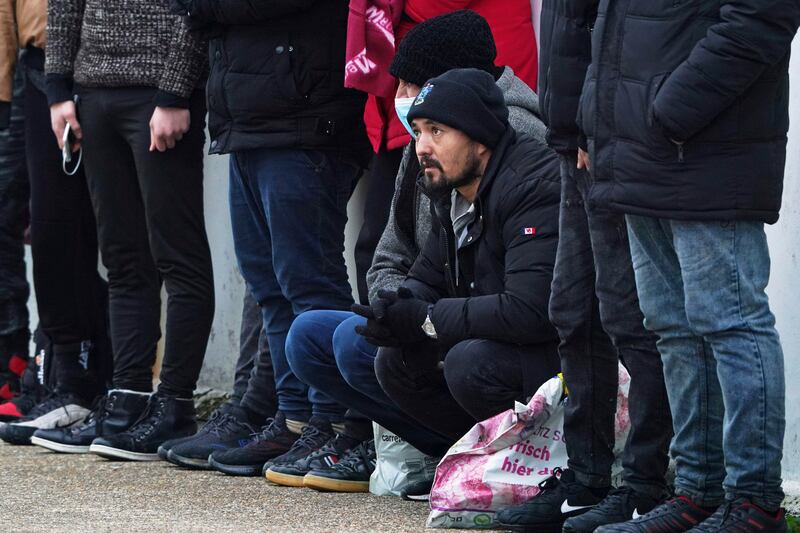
(399, 464)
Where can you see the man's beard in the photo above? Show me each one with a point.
(446, 183)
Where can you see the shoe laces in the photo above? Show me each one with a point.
(223, 423)
(354, 456)
(51, 402)
(550, 484)
(268, 432)
(151, 416)
(100, 409)
(309, 438)
(326, 449)
(615, 498)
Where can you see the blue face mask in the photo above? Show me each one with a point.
(402, 106)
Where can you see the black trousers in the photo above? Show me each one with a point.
(150, 226)
(254, 381)
(14, 194)
(71, 296)
(480, 379)
(595, 308)
(379, 193)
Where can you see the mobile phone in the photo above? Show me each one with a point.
(68, 140)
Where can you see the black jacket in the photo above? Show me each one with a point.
(685, 107)
(564, 55)
(501, 289)
(277, 75)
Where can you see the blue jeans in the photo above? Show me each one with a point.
(288, 211)
(324, 350)
(701, 288)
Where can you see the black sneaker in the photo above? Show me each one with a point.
(743, 516)
(112, 413)
(561, 497)
(314, 435)
(292, 474)
(249, 460)
(351, 474)
(58, 410)
(620, 505)
(674, 516)
(163, 450)
(418, 492)
(164, 418)
(223, 431)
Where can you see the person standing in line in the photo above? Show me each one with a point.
(138, 73)
(595, 308)
(685, 114)
(278, 106)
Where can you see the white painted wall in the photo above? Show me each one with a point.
(784, 287)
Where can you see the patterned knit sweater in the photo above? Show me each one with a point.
(122, 43)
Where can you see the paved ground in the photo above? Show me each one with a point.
(44, 491)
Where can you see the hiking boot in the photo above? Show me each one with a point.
(743, 516)
(164, 418)
(620, 505)
(249, 460)
(18, 408)
(223, 431)
(561, 497)
(351, 474)
(58, 410)
(315, 434)
(673, 516)
(292, 474)
(112, 413)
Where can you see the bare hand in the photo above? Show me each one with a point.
(583, 159)
(167, 127)
(61, 114)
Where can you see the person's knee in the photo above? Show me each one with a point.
(386, 370)
(461, 367)
(300, 342)
(349, 351)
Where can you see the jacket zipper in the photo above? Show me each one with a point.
(679, 146)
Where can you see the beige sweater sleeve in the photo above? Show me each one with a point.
(8, 48)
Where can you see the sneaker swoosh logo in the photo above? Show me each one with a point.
(635, 514)
(566, 508)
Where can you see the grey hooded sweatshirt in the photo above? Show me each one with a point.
(410, 216)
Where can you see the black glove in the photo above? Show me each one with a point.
(403, 314)
(373, 331)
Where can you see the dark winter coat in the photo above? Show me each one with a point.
(564, 55)
(501, 287)
(685, 107)
(277, 76)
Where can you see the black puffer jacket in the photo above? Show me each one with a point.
(277, 75)
(685, 107)
(564, 55)
(501, 288)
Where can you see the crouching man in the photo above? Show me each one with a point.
(467, 333)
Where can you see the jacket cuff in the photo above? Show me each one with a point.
(582, 143)
(5, 115)
(59, 88)
(165, 99)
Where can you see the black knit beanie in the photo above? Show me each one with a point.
(466, 99)
(461, 39)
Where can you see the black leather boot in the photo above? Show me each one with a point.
(164, 419)
(114, 413)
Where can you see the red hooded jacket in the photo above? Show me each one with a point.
(512, 27)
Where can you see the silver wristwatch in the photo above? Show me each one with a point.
(427, 326)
